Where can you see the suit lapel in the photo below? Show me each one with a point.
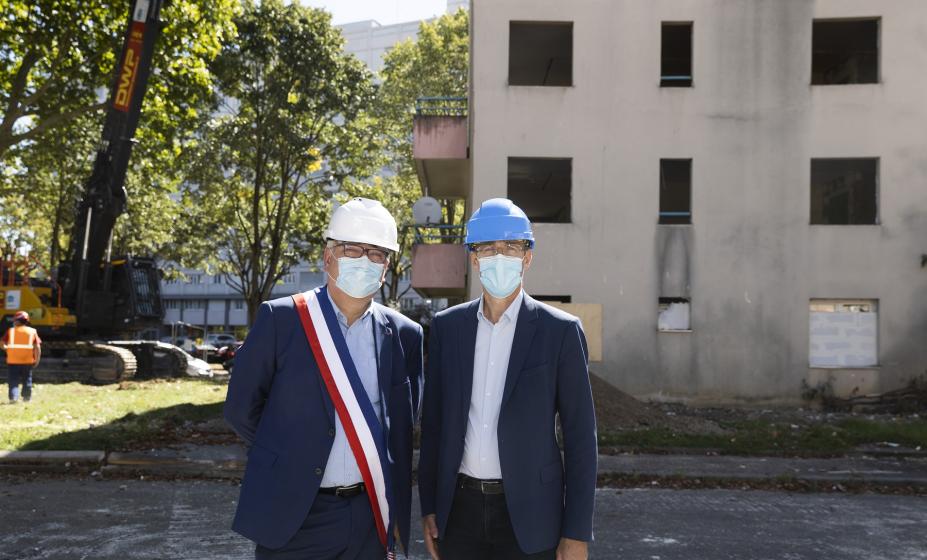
(466, 346)
(524, 334)
(383, 339)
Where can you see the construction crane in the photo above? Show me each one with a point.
(96, 304)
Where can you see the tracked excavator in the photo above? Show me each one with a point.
(91, 310)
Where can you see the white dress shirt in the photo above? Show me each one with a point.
(490, 366)
(342, 469)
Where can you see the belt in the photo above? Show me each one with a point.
(344, 491)
(493, 486)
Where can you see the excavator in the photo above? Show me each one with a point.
(94, 305)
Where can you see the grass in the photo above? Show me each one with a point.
(766, 438)
(145, 414)
(130, 415)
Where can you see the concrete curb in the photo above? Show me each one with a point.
(882, 471)
(173, 466)
(52, 457)
(228, 462)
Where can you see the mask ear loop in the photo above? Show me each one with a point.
(329, 250)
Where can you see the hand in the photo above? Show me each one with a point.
(570, 549)
(430, 528)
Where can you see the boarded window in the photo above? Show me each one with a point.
(844, 191)
(542, 187)
(675, 191)
(845, 52)
(673, 314)
(676, 55)
(540, 53)
(844, 333)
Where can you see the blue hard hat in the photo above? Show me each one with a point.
(498, 219)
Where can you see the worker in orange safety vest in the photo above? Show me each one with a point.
(23, 349)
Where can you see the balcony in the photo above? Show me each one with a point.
(440, 146)
(439, 262)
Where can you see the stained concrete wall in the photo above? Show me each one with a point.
(751, 124)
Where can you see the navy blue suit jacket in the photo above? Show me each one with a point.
(277, 403)
(548, 497)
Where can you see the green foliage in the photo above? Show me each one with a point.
(55, 59)
(436, 64)
(55, 55)
(292, 119)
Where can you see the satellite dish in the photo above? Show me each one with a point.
(426, 210)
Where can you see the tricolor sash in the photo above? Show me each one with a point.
(358, 418)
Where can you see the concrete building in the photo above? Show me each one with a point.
(208, 301)
(368, 40)
(733, 190)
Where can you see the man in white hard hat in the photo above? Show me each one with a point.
(325, 392)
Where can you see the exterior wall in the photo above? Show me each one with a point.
(751, 124)
(223, 299)
(369, 41)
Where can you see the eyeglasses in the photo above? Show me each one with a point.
(508, 248)
(352, 251)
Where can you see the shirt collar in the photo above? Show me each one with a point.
(511, 313)
(341, 316)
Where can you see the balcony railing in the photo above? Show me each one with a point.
(438, 233)
(441, 107)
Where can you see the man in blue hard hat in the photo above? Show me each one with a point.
(500, 370)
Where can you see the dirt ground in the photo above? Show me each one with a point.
(618, 412)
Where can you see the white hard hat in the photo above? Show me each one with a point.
(362, 220)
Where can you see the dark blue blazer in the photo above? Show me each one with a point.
(547, 497)
(277, 402)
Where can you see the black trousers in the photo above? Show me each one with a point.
(479, 528)
(335, 529)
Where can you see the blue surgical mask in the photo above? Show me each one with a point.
(358, 277)
(500, 275)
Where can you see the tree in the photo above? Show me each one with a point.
(291, 121)
(56, 58)
(436, 64)
(57, 55)
(45, 185)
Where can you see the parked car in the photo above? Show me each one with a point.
(187, 344)
(220, 339)
(226, 355)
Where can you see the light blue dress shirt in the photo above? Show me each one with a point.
(490, 368)
(341, 469)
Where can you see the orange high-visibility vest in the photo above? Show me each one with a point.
(20, 348)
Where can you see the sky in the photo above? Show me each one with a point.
(384, 11)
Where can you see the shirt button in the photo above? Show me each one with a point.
(331, 432)
(318, 472)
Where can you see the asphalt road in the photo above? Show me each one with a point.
(120, 519)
